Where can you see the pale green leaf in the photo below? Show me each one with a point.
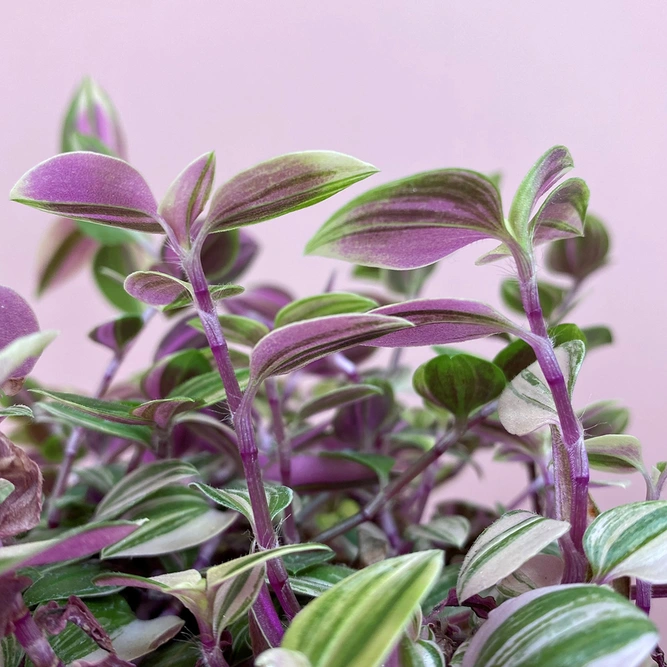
(503, 548)
(6, 489)
(446, 530)
(282, 657)
(16, 411)
(321, 305)
(319, 578)
(615, 453)
(21, 349)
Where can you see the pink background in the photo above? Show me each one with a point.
(405, 85)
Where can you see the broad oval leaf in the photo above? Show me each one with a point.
(337, 398)
(542, 176)
(321, 305)
(178, 519)
(576, 624)
(526, 404)
(444, 321)
(615, 453)
(17, 319)
(459, 383)
(281, 185)
(91, 187)
(187, 196)
(155, 288)
(413, 222)
(294, 346)
(503, 547)
(629, 540)
(138, 484)
(365, 613)
(116, 334)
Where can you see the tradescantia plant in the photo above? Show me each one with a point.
(265, 491)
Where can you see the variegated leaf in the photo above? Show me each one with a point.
(615, 453)
(445, 530)
(504, 547)
(321, 305)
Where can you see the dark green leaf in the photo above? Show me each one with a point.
(112, 264)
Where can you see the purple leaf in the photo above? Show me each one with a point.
(64, 251)
(444, 321)
(162, 411)
(413, 222)
(187, 196)
(180, 337)
(247, 251)
(91, 187)
(261, 303)
(155, 288)
(281, 185)
(173, 370)
(562, 214)
(294, 346)
(543, 175)
(116, 334)
(315, 472)
(21, 510)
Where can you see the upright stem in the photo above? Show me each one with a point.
(241, 409)
(284, 454)
(569, 454)
(30, 637)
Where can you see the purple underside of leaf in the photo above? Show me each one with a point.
(563, 212)
(117, 333)
(90, 186)
(413, 222)
(16, 319)
(281, 185)
(293, 346)
(188, 195)
(262, 303)
(316, 471)
(443, 321)
(154, 288)
(84, 544)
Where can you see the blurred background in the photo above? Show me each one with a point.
(408, 86)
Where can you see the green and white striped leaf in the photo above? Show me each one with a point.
(301, 561)
(237, 498)
(131, 637)
(615, 453)
(282, 657)
(446, 530)
(358, 621)
(526, 404)
(178, 518)
(115, 411)
(421, 653)
(6, 489)
(16, 411)
(629, 541)
(319, 578)
(140, 483)
(321, 305)
(576, 624)
(540, 571)
(21, 349)
(504, 547)
(234, 597)
(337, 398)
(11, 653)
(206, 389)
(75, 417)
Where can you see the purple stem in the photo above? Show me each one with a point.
(268, 619)
(211, 650)
(284, 455)
(30, 637)
(241, 409)
(569, 453)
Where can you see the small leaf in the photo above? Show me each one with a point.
(16, 411)
(111, 265)
(540, 571)
(562, 214)
(305, 560)
(115, 411)
(281, 185)
(527, 404)
(17, 319)
(155, 288)
(178, 519)
(163, 410)
(237, 329)
(576, 624)
(615, 453)
(187, 196)
(321, 305)
(116, 334)
(380, 464)
(550, 296)
(237, 498)
(217, 292)
(294, 346)
(413, 222)
(317, 579)
(543, 175)
(91, 187)
(6, 489)
(629, 540)
(597, 336)
(138, 484)
(64, 251)
(77, 543)
(442, 530)
(443, 321)
(337, 398)
(504, 547)
(173, 370)
(604, 418)
(207, 389)
(420, 653)
(18, 358)
(366, 612)
(460, 383)
(579, 257)
(75, 417)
